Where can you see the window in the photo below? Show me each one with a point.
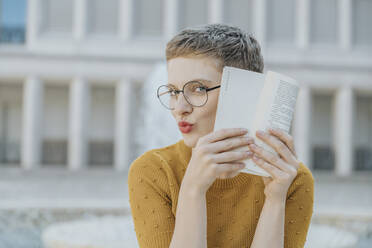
(280, 21)
(148, 18)
(322, 137)
(10, 123)
(12, 21)
(55, 123)
(103, 16)
(324, 21)
(193, 12)
(101, 137)
(363, 133)
(239, 13)
(57, 16)
(362, 18)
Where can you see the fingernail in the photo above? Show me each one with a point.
(253, 146)
(259, 132)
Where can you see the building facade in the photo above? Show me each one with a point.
(70, 73)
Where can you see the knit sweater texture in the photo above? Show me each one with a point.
(233, 204)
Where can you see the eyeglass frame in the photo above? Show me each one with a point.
(183, 88)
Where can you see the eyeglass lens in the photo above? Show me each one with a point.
(194, 92)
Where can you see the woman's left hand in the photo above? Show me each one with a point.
(282, 167)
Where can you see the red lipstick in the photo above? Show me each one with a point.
(185, 127)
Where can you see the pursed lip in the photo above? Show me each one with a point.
(184, 123)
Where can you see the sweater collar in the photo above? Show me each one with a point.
(242, 178)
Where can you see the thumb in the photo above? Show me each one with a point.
(266, 180)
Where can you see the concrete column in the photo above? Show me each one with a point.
(79, 124)
(215, 11)
(301, 125)
(126, 19)
(302, 23)
(32, 123)
(33, 21)
(259, 21)
(342, 126)
(345, 15)
(124, 100)
(171, 18)
(80, 19)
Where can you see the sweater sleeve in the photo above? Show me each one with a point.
(299, 208)
(150, 202)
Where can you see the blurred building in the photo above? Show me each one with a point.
(70, 71)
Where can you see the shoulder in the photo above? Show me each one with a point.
(151, 174)
(152, 162)
(304, 174)
(303, 182)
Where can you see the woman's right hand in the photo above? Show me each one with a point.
(212, 159)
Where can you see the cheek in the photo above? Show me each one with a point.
(172, 113)
(210, 109)
(212, 104)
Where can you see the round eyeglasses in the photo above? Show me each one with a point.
(195, 93)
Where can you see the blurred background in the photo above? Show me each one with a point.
(78, 104)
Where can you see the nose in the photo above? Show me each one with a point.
(182, 105)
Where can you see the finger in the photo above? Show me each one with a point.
(226, 157)
(229, 174)
(232, 174)
(272, 170)
(220, 169)
(278, 146)
(228, 144)
(273, 159)
(222, 134)
(285, 137)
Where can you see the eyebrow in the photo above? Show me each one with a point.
(197, 79)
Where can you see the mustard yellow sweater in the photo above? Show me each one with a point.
(233, 205)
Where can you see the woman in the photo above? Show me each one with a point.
(191, 193)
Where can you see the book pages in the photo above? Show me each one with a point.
(257, 102)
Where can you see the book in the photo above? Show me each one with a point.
(255, 101)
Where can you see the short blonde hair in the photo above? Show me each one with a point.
(230, 44)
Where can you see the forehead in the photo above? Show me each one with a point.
(184, 69)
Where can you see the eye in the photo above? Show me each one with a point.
(198, 88)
